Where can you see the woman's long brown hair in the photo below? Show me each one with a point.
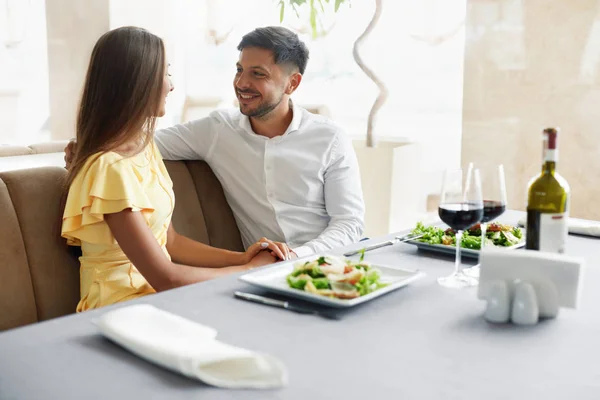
(121, 94)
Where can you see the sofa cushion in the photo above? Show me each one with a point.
(220, 223)
(17, 305)
(188, 218)
(201, 210)
(36, 195)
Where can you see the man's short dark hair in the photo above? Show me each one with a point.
(287, 48)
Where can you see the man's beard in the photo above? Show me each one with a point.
(262, 109)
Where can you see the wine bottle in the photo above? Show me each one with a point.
(548, 202)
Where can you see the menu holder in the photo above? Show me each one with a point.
(524, 286)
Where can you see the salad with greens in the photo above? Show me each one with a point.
(335, 277)
(496, 235)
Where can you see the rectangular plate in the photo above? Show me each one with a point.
(442, 248)
(274, 279)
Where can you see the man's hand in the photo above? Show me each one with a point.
(70, 153)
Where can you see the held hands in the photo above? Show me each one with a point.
(260, 259)
(285, 250)
(266, 251)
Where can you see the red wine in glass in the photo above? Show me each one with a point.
(460, 216)
(461, 206)
(492, 210)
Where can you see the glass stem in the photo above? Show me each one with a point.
(483, 233)
(458, 259)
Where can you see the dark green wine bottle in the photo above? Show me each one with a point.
(548, 202)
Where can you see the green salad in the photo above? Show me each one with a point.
(334, 277)
(496, 235)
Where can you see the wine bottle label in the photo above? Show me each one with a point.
(547, 231)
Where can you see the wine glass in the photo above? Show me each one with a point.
(461, 207)
(494, 203)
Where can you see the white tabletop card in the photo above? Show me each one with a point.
(537, 268)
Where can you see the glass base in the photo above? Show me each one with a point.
(472, 271)
(458, 281)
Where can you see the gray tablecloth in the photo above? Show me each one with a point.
(419, 342)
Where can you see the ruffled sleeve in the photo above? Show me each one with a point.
(106, 184)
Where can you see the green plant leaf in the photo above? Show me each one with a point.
(314, 11)
(321, 4)
(313, 18)
(295, 8)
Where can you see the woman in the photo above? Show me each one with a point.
(120, 199)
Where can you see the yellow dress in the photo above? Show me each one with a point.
(109, 183)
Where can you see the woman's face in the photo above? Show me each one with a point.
(167, 87)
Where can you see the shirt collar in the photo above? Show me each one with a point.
(296, 119)
(294, 125)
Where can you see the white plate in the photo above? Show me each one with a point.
(442, 248)
(274, 279)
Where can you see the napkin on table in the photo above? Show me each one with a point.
(189, 348)
(578, 226)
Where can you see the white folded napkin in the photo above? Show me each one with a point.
(583, 227)
(189, 348)
(578, 226)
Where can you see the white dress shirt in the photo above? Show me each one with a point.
(302, 187)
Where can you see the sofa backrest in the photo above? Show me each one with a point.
(201, 210)
(35, 196)
(40, 273)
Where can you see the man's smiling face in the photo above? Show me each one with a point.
(259, 83)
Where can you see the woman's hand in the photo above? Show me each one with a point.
(275, 249)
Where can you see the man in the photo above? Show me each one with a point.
(287, 174)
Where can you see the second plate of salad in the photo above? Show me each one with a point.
(443, 240)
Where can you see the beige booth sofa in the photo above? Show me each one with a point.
(40, 273)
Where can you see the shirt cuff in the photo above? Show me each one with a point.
(303, 251)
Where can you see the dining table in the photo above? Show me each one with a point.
(422, 341)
